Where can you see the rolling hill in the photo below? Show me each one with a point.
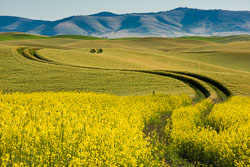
(177, 22)
(128, 66)
(52, 101)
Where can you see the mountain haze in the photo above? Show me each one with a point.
(177, 22)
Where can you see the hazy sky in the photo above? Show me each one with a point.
(57, 9)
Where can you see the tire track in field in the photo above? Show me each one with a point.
(204, 87)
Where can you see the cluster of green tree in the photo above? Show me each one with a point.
(96, 50)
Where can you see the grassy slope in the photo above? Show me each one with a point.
(220, 39)
(76, 37)
(228, 63)
(20, 74)
(19, 36)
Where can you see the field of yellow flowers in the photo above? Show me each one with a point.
(216, 135)
(90, 129)
(87, 129)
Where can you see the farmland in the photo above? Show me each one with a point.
(228, 63)
(152, 87)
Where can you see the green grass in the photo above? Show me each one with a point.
(19, 36)
(128, 38)
(219, 39)
(24, 75)
(227, 63)
(201, 38)
(76, 37)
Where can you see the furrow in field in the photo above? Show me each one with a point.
(204, 87)
(222, 91)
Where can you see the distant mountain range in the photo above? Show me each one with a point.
(174, 23)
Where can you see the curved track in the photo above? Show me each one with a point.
(204, 87)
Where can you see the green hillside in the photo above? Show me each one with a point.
(70, 66)
(220, 39)
(19, 36)
(76, 37)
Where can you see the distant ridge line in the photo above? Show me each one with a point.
(173, 23)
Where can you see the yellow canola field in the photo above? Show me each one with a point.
(217, 135)
(72, 129)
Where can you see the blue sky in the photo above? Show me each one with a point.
(57, 9)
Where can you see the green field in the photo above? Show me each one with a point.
(74, 68)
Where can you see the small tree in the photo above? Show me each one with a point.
(96, 50)
(99, 50)
(92, 50)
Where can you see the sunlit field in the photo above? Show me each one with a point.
(139, 102)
